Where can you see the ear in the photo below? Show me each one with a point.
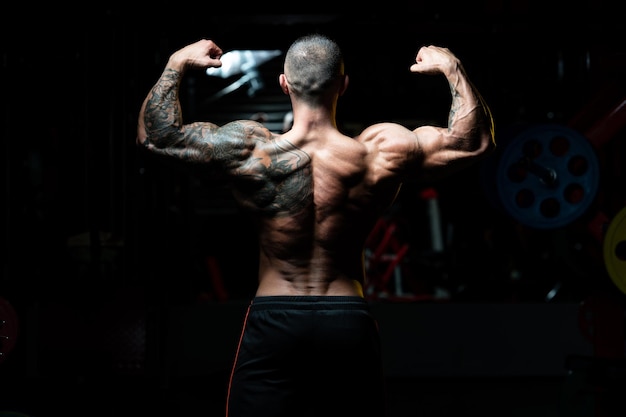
(282, 80)
(344, 84)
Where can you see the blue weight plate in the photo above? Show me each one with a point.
(547, 176)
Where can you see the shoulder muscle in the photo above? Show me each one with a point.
(392, 149)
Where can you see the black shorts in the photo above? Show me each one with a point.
(307, 356)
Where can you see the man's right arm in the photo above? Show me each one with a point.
(161, 130)
(160, 123)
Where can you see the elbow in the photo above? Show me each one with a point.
(142, 135)
(141, 138)
(482, 150)
(484, 142)
(488, 144)
(488, 141)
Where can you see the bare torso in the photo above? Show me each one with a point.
(315, 197)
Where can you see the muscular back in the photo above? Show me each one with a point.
(315, 196)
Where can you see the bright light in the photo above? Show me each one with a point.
(237, 62)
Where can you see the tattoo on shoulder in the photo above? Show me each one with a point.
(291, 173)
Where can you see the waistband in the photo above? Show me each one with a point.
(309, 302)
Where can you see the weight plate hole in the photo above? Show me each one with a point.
(524, 198)
(559, 145)
(550, 208)
(517, 173)
(578, 165)
(574, 193)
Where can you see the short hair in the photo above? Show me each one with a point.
(312, 65)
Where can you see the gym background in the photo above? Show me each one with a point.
(499, 291)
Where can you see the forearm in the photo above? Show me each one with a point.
(160, 116)
(470, 116)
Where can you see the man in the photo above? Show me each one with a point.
(309, 345)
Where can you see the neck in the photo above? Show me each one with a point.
(314, 117)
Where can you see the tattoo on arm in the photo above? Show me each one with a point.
(454, 107)
(163, 116)
(472, 104)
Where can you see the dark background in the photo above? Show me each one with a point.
(124, 280)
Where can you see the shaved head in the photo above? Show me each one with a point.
(313, 65)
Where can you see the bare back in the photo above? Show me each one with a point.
(316, 196)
